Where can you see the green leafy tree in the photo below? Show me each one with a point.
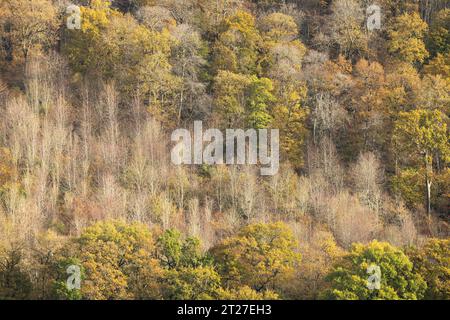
(117, 261)
(60, 288)
(15, 282)
(439, 35)
(260, 256)
(84, 48)
(350, 278)
(175, 252)
(422, 137)
(432, 261)
(409, 183)
(236, 49)
(189, 274)
(259, 100)
(290, 115)
(192, 283)
(243, 101)
(230, 98)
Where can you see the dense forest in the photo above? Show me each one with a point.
(90, 92)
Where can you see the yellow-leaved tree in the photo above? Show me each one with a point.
(261, 256)
(406, 38)
(421, 138)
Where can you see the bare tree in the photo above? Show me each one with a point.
(368, 177)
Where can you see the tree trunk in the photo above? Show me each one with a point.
(428, 169)
(428, 185)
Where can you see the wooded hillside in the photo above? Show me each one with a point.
(86, 178)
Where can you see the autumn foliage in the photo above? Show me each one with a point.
(87, 182)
